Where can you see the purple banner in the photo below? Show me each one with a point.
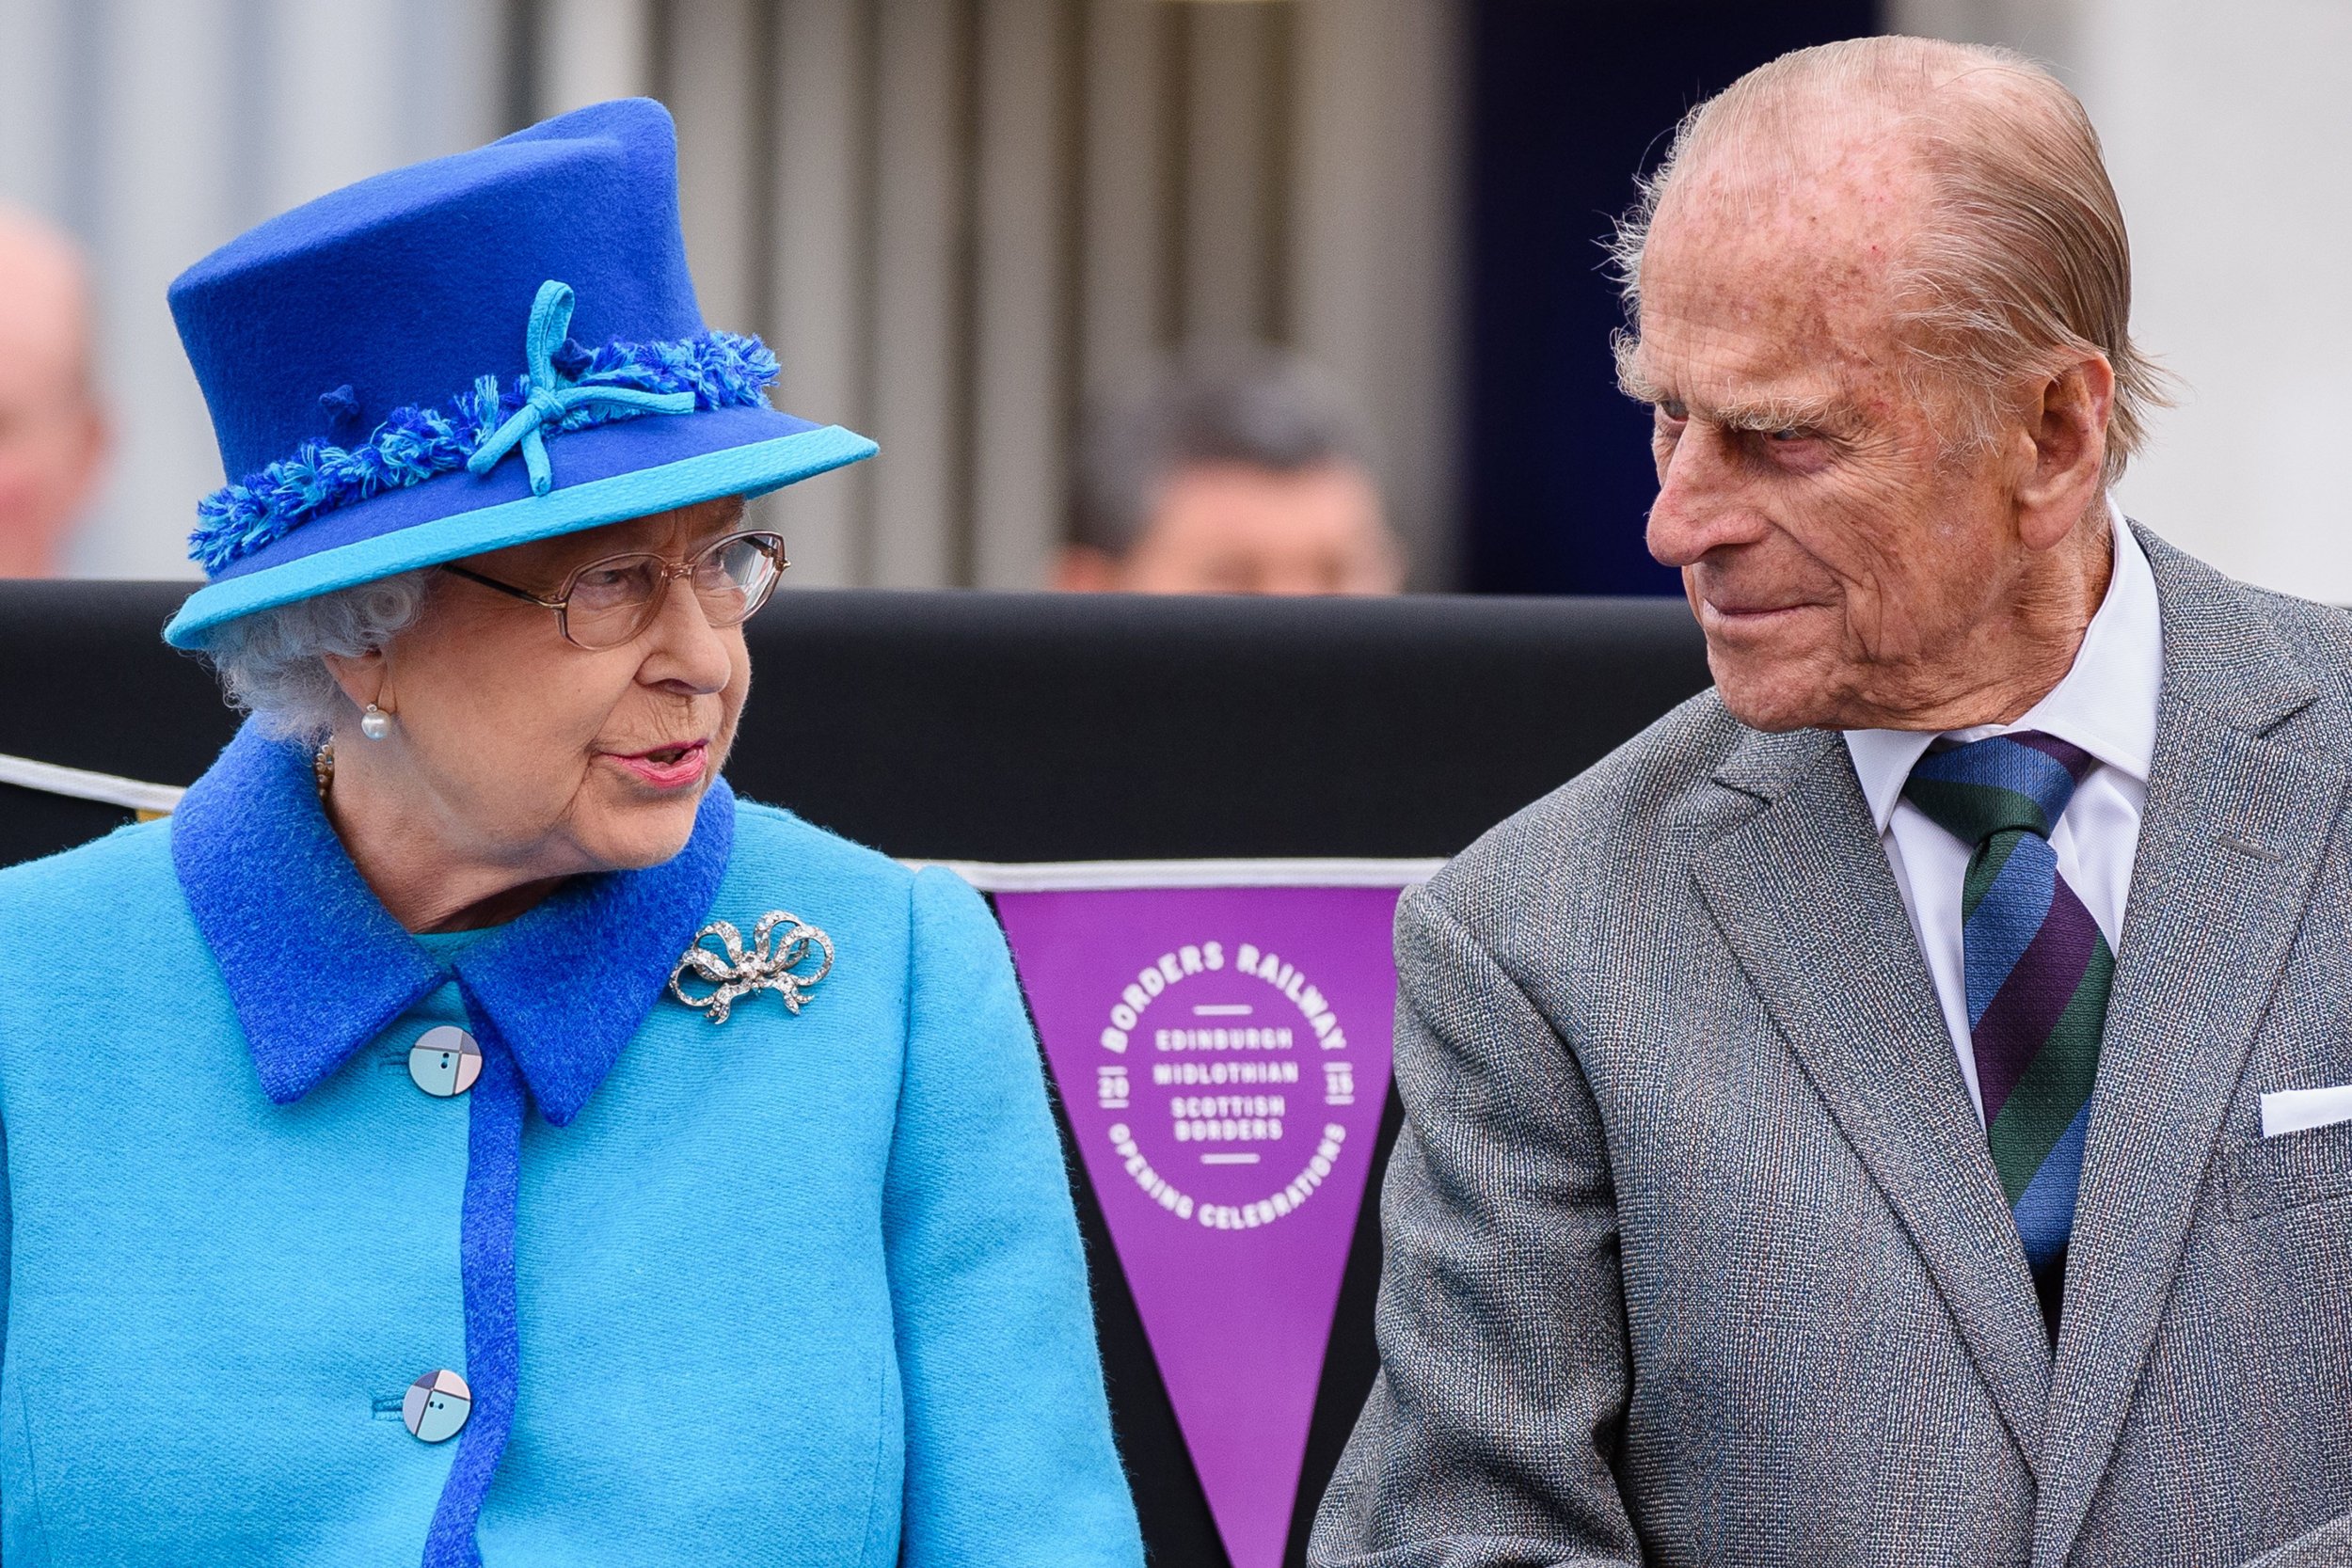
(1223, 1055)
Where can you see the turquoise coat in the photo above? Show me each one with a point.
(794, 1288)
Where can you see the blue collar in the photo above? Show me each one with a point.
(316, 967)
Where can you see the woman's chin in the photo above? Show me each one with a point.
(632, 836)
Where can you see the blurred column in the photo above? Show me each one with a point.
(2046, 29)
(1020, 393)
(326, 124)
(818, 268)
(1234, 137)
(713, 58)
(920, 195)
(1122, 315)
(452, 59)
(37, 119)
(163, 192)
(589, 51)
(2231, 147)
(1374, 258)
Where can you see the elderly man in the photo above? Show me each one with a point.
(53, 437)
(1886, 1113)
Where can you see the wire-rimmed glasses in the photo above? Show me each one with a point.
(613, 599)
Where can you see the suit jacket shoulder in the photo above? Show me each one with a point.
(1593, 849)
(2251, 657)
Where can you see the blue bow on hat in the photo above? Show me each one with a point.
(357, 356)
(551, 397)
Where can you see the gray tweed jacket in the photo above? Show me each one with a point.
(1695, 1252)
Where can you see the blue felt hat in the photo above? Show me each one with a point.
(467, 354)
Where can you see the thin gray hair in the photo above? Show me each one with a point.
(273, 663)
(2023, 262)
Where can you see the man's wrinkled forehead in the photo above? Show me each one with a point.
(1836, 209)
(1777, 266)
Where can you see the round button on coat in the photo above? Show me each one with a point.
(445, 1061)
(437, 1405)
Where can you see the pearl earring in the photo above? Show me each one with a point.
(375, 724)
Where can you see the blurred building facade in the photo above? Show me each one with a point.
(2230, 146)
(955, 219)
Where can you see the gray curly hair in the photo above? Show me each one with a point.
(273, 663)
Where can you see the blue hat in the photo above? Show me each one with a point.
(465, 354)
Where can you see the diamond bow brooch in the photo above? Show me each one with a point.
(775, 961)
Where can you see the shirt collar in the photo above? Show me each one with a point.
(2106, 704)
(316, 967)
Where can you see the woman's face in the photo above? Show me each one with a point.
(519, 750)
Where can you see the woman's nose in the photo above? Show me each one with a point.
(686, 647)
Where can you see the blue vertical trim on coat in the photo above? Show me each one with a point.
(487, 1267)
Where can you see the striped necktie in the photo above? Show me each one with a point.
(2038, 971)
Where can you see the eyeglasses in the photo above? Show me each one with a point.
(613, 600)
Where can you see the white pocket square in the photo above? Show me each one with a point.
(2300, 1110)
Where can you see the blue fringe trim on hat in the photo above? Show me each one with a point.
(722, 369)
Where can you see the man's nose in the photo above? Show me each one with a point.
(1698, 507)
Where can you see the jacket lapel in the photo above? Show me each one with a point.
(311, 961)
(2235, 826)
(1805, 898)
(316, 968)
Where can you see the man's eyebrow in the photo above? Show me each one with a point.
(1762, 414)
(1765, 414)
(1630, 381)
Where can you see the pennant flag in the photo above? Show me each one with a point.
(1223, 1054)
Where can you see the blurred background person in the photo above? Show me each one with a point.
(1239, 471)
(53, 436)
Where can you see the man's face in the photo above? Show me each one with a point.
(1229, 528)
(51, 434)
(1842, 558)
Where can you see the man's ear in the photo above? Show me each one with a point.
(2067, 419)
(363, 677)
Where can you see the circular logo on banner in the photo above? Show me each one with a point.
(1222, 1061)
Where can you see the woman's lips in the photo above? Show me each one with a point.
(666, 766)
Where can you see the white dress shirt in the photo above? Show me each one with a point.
(2106, 705)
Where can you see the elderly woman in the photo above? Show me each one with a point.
(484, 1138)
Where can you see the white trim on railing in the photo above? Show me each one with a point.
(988, 876)
(1094, 876)
(82, 784)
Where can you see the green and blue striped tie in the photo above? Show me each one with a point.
(2038, 973)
